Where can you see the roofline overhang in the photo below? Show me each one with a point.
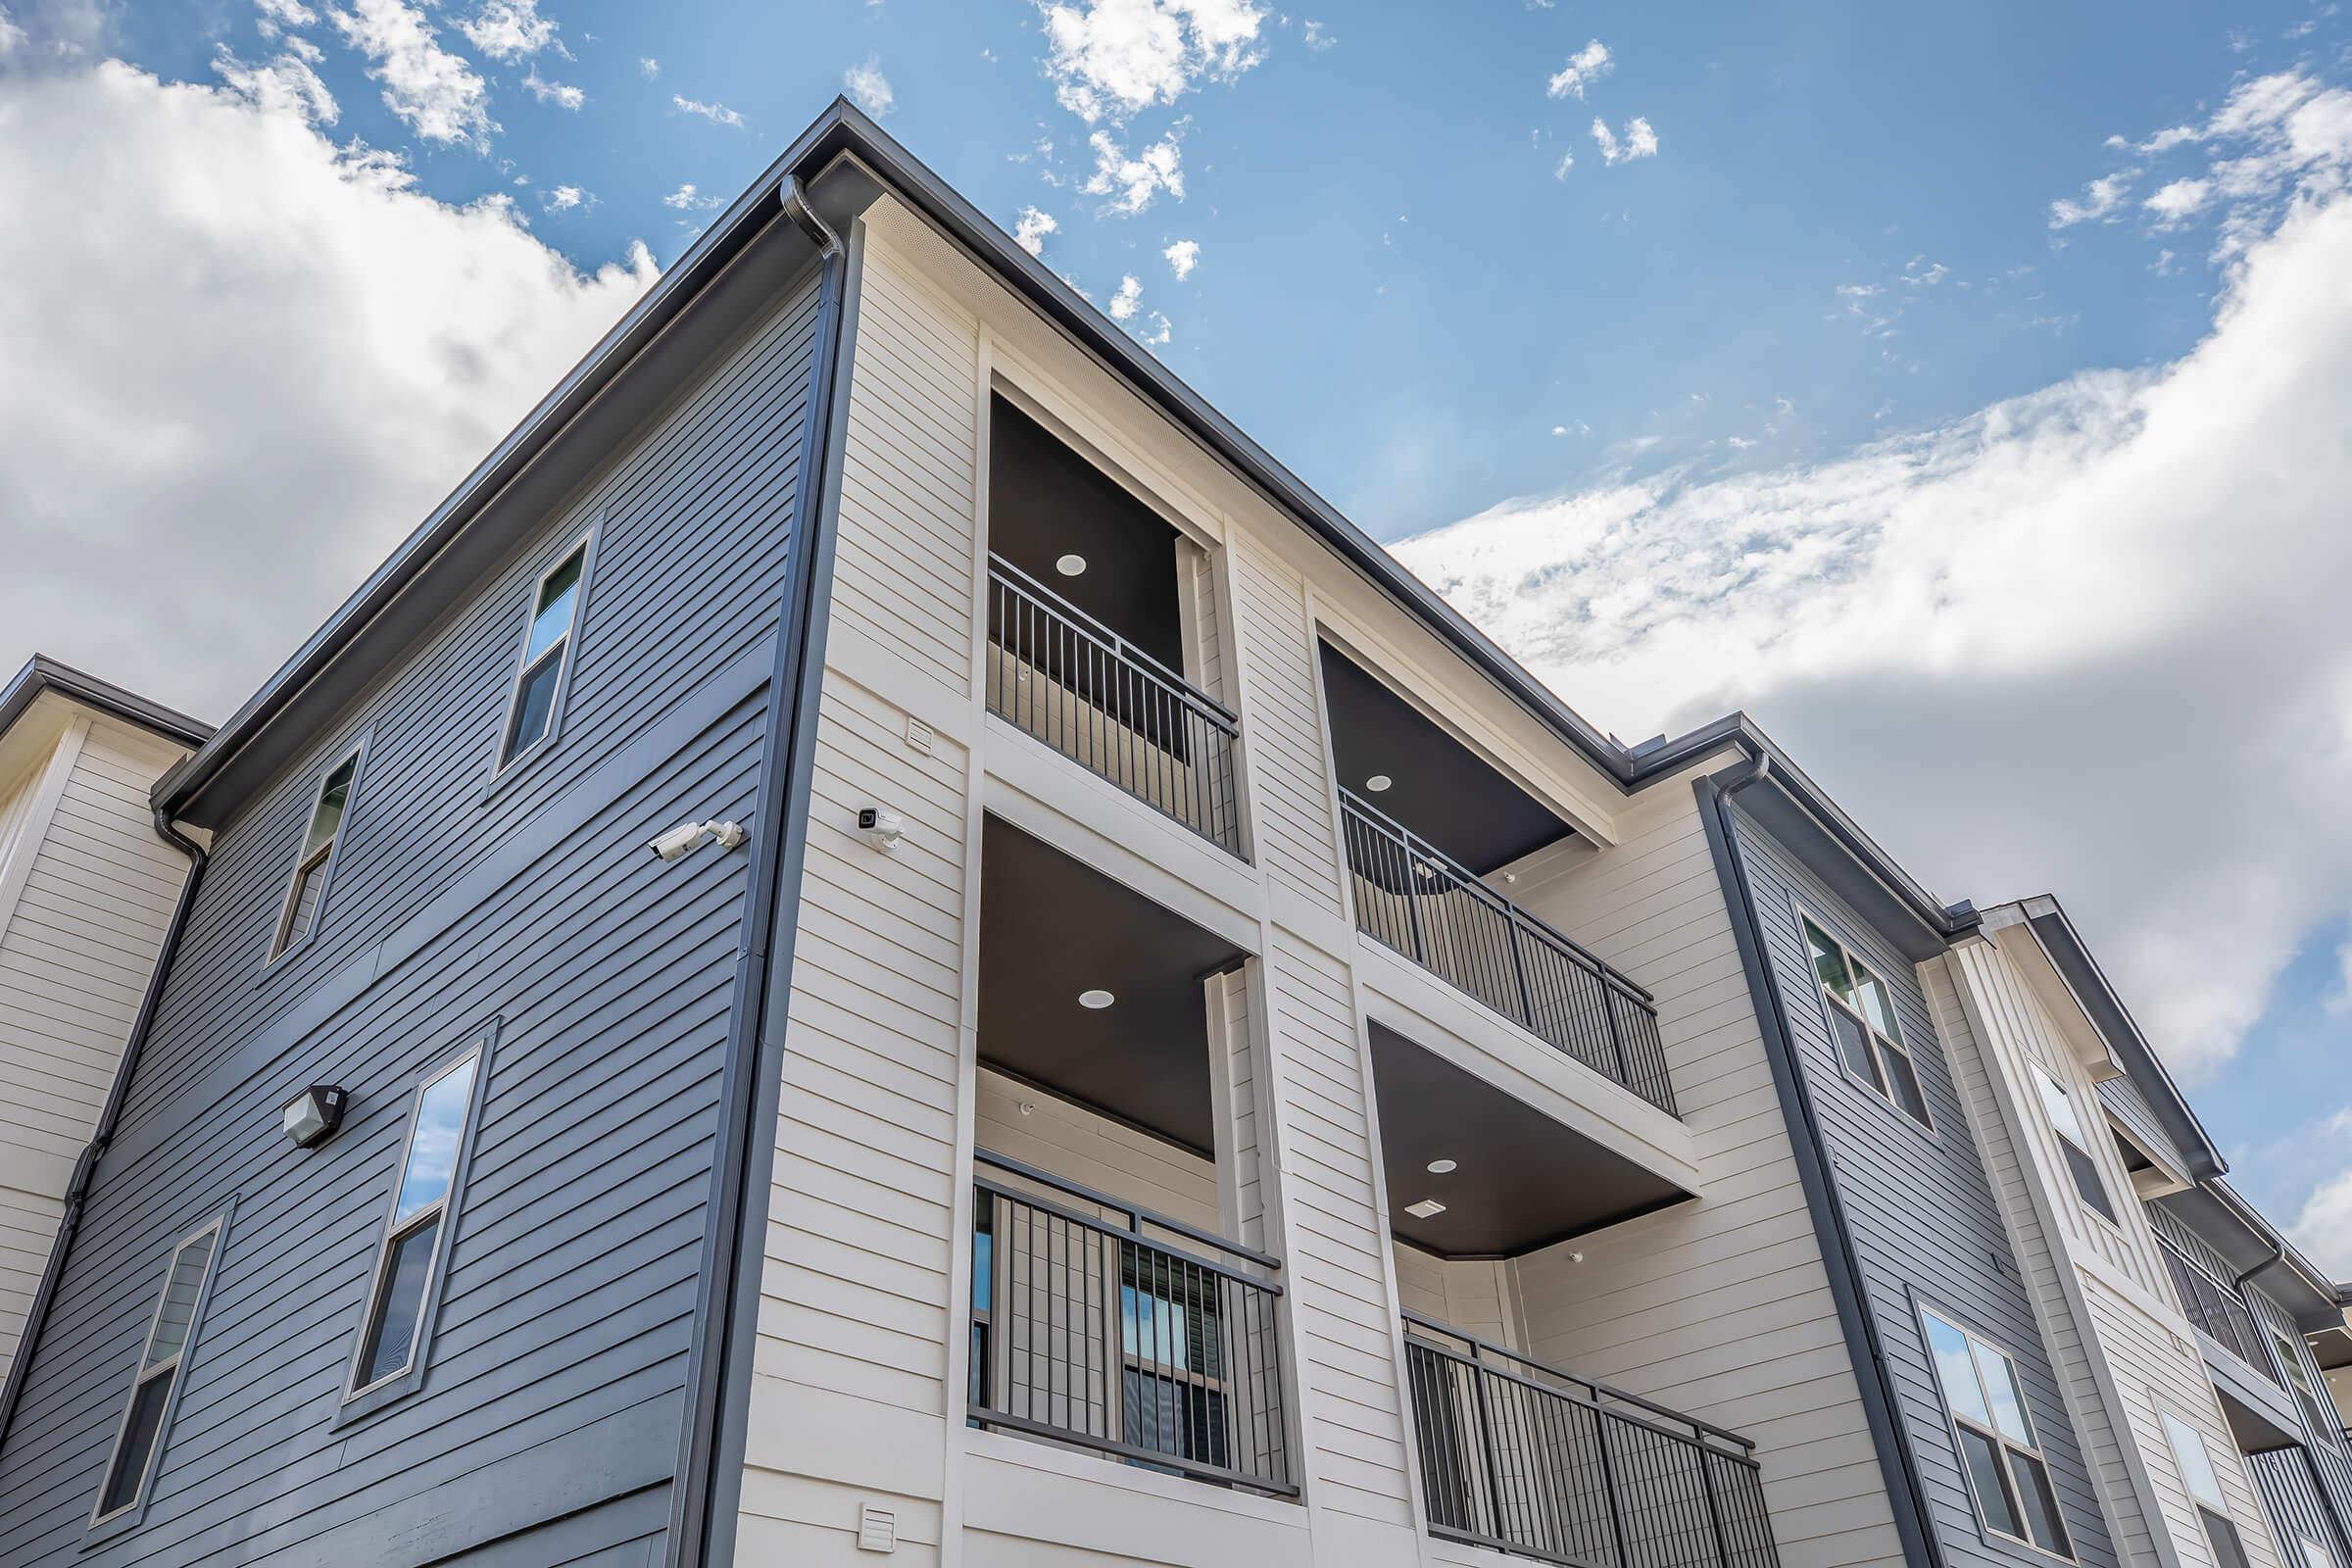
(843, 131)
(43, 675)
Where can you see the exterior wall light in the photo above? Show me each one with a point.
(314, 1114)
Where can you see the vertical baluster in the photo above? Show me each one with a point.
(1706, 1476)
(1609, 1481)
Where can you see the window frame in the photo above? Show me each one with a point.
(2312, 1405)
(501, 765)
(2047, 1082)
(1837, 1006)
(284, 940)
(2214, 1511)
(2003, 1444)
(363, 1399)
(104, 1523)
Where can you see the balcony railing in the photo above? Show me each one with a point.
(2217, 1308)
(1065, 677)
(1410, 897)
(1087, 1332)
(1524, 1458)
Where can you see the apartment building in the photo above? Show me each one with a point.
(1143, 1037)
(87, 889)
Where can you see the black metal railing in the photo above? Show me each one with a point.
(1525, 1459)
(1060, 675)
(1086, 1331)
(1411, 897)
(2217, 1308)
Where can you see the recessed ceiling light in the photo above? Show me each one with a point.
(1442, 1167)
(1096, 999)
(1378, 782)
(1426, 1209)
(1070, 565)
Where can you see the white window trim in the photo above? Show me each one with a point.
(143, 1373)
(2174, 1428)
(501, 765)
(1877, 1081)
(2048, 1082)
(2001, 1440)
(283, 939)
(444, 1207)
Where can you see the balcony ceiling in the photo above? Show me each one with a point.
(1051, 928)
(1440, 788)
(1046, 501)
(1523, 1180)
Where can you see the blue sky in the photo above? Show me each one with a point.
(2016, 521)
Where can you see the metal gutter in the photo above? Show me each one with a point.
(707, 1494)
(42, 674)
(85, 1168)
(1873, 1379)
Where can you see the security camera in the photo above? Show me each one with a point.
(882, 829)
(673, 845)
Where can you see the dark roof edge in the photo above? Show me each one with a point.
(2271, 1236)
(2047, 919)
(41, 673)
(843, 128)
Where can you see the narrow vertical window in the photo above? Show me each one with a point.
(1869, 1039)
(308, 886)
(2203, 1485)
(416, 1241)
(546, 657)
(141, 1438)
(1999, 1448)
(2059, 1107)
(2315, 1410)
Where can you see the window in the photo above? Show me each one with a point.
(408, 1264)
(308, 887)
(1994, 1432)
(141, 1438)
(2059, 1107)
(1172, 1342)
(546, 656)
(2204, 1487)
(2314, 1555)
(2315, 1410)
(1870, 1041)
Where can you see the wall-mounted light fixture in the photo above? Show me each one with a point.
(313, 1117)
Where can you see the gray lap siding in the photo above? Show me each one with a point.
(558, 1371)
(1925, 1226)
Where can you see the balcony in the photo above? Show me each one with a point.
(1525, 1459)
(1104, 1324)
(1057, 673)
(1413, 897)
(2216, 1308)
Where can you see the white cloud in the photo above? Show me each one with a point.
(1318, 37)
(649, 67)
(435, 93)
(508, 30)
(1110, 58)
(270, 16)
(2323, 1227)
(2175, 201)
(868, 89)
(1133, 183)
(2020, 646)
(561, 94)
(1160, 331)
(564, 198)
(1183, 257)
(1639, 141)
(1584, 67)
(1567, 161)
(2100, 198)
(166, 351)
(687, 199)
(1123, 304)
(12, 37)
(716, 113)
(1029, 232)
(285, 84)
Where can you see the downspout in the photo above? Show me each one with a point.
(707, 1491)
(1873, 1379)
(85, 1168)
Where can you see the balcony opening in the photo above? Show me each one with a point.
(1438, 840)
(1102, 629)
(1120, 1301)
(1518, 1453)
